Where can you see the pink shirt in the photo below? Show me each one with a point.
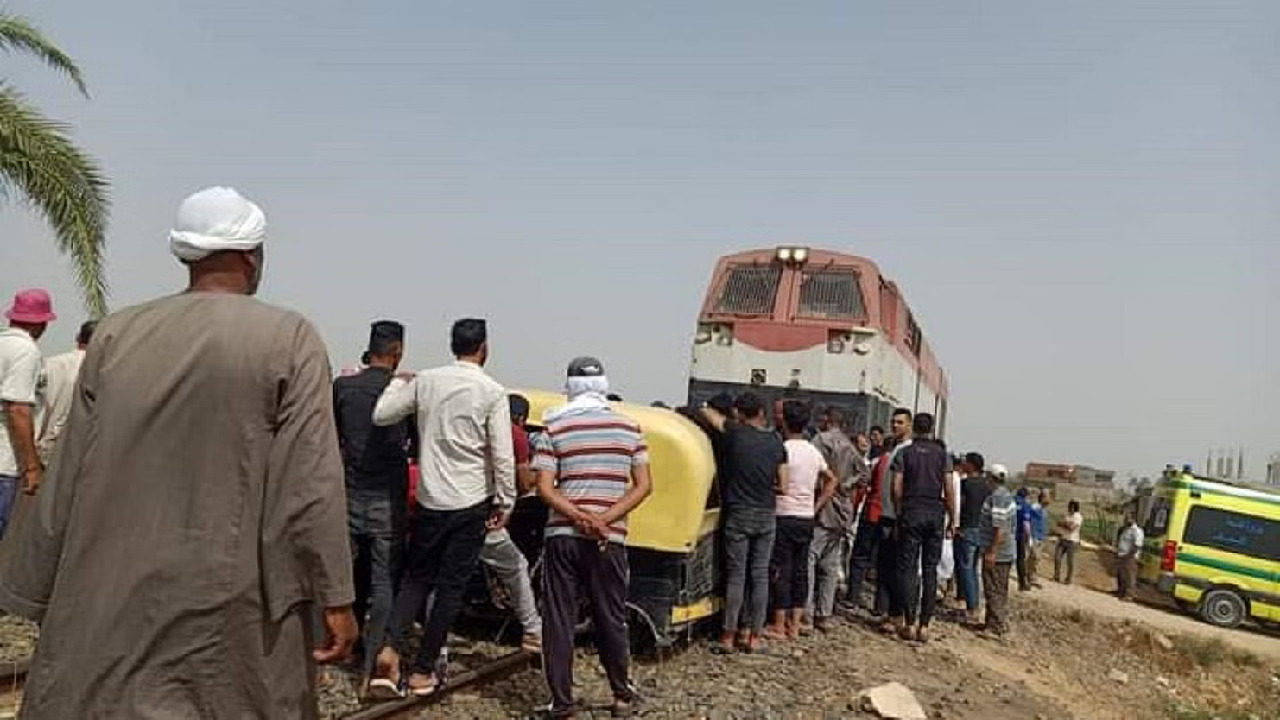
(804, 463)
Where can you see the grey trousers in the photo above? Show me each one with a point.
(826, 561)
(505, 560)
(748, 548)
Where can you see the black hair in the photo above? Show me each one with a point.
(381, 345)
(519, 406)
(613, 397)
(749, 405)
(902, 411)
(876, 428)
(976, 461)
(468, 336)
(721, 403)
(86, 332)
(1073, 506)
(795, 416)
(922, 424)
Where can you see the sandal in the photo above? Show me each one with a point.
(387, 689)
(426, 689)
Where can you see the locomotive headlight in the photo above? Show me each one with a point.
(800, 254)
(703, 336)
(835, 346)
(784, 254)
(724, 338)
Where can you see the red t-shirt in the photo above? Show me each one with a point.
(873, 493)
(520, 445)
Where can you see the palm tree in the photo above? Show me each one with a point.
(39, 161)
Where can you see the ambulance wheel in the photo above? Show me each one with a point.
(1224, 608)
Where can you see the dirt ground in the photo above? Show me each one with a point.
(1074, 652)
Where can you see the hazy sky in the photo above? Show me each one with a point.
(1079, 199)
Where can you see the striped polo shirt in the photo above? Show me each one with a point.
(592, 454)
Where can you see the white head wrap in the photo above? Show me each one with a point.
(213, 220)
(588, 385)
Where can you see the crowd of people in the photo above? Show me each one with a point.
(808, 510)
(236, 514)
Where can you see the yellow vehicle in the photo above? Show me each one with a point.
(671, 536)
(1215, 547)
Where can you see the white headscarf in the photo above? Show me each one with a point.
(586, 394)
(213, 220)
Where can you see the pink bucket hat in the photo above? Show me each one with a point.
(33, 307)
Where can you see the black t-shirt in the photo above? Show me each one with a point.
(751, 460)
(375, 457)
(974, 491)
(924, 465)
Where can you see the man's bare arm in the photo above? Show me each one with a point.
(783, 478)
(949, 496)
(526, 478)
(556, 500)
(714, 417)
(896, 490)
(22, 435)
(829, 483)
(641, 486)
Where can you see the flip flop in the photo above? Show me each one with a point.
(388, 689)
(424, 690)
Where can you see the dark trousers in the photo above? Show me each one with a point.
(888, 590)
(1024, 563)
(1126, 575)
(1065, 554)
(376, 525)
(444, 549)
(865, 544)
(573, 565)
(790, 564)
(995, 586)
(748, 547)
(921, 536)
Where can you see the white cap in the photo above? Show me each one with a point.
(999, 471)
(213, 220)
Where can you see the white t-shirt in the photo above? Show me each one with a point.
(804, 464)
(1073, 522)
(19, 383)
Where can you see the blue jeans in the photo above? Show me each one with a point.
(967, 563)
(748, 548)
(8, 496)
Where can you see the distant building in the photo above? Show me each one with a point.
(1085, 475)
(1273, 470)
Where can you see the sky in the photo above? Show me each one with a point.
(1078, 199)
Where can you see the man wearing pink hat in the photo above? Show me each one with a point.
(20, 361)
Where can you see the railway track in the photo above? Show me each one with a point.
(14, 674)
(492, 671)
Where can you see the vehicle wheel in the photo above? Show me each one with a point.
(1224, 608)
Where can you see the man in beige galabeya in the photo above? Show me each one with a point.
(195, 511)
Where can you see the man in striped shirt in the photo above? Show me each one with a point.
(593, 469)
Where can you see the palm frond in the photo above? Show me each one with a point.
(39, 161)
(18, 34)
